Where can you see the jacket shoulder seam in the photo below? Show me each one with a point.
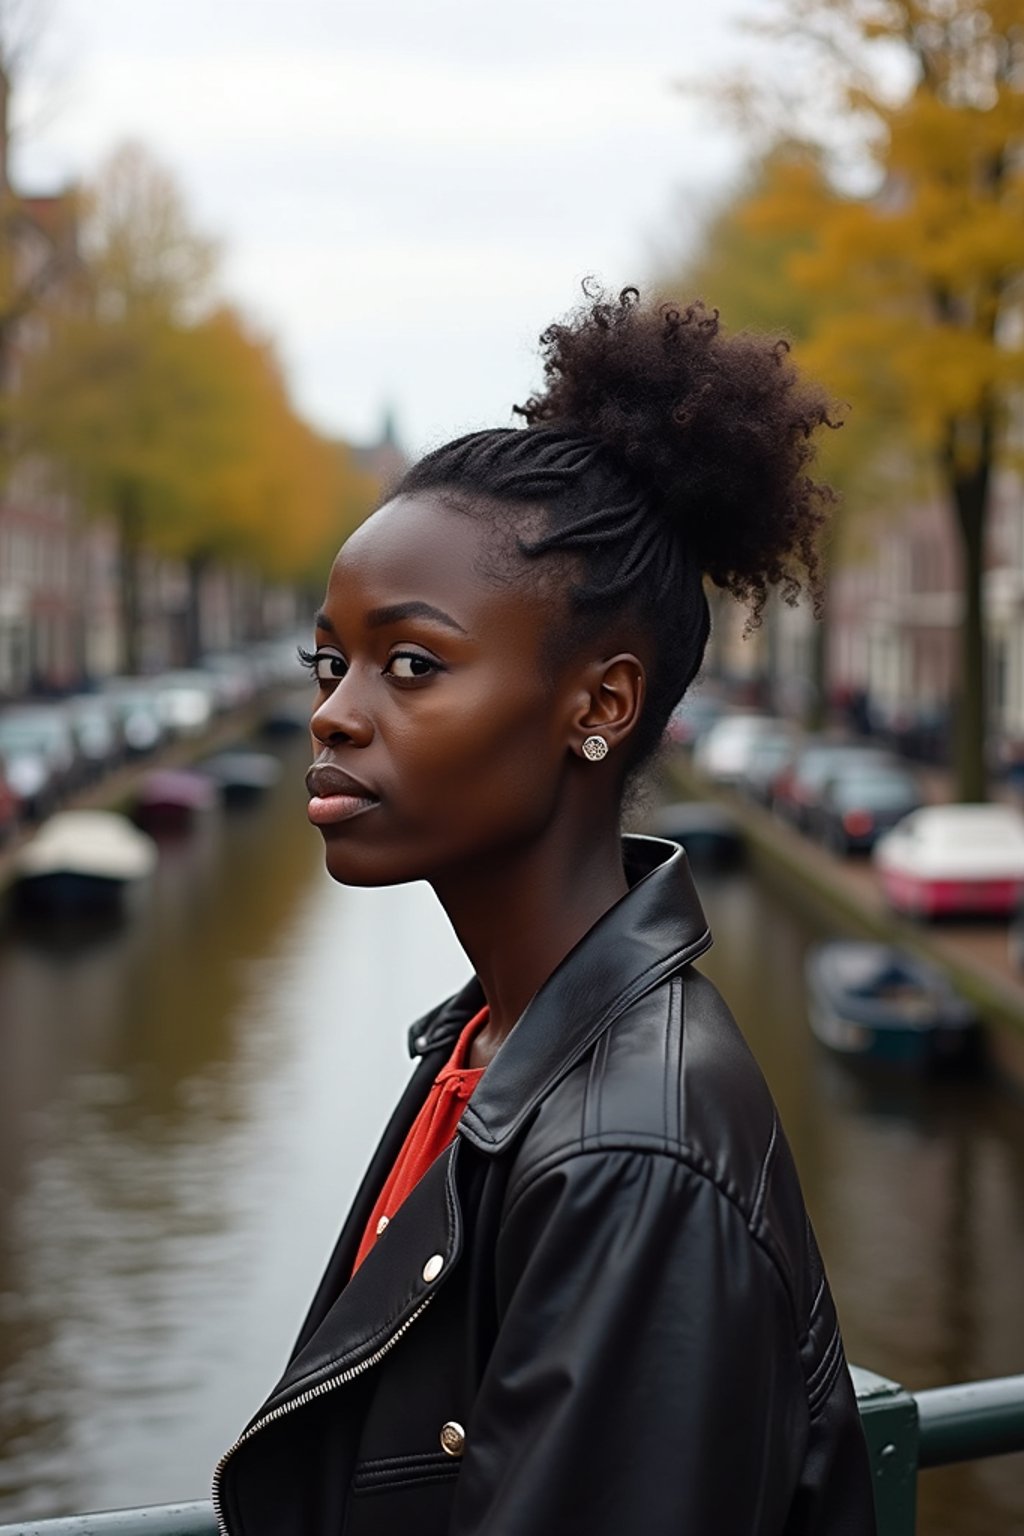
(653, 1146)
(818, 1382)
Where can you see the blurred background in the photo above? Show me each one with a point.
(254, 259)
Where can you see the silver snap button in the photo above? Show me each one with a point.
(433, 1267)
(453, 1438)
(420, 1042)
(381, 1225)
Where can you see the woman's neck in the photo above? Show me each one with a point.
(518, 918)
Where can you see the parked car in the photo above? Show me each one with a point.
(860, 803)
(233, 678)
(769, 756)
(692, 718)
(1015, 938)
(38, 751)
(724, 751)
(138, 712)
(954, 859)
(96, 732)
(186, 700)
(10, 809)
(798, 789)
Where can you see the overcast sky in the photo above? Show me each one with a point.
(407, 190)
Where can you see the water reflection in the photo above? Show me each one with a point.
(186, 1104)
(180, 1136)
(916, 1191)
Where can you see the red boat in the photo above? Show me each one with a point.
(169, 799)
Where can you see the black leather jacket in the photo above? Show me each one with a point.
(602, 1312)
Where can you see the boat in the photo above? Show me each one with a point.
(81, 862)
(288, 715)
(710, 837)
(170, 799)
(876, 1003)
(241, 775)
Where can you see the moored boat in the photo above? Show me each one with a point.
(709, 835)
(880, 1004)
(288, 714)
(80, 862)
(170, 799)
(242, 776)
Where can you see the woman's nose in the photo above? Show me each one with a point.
(339, 717)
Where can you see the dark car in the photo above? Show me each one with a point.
(860, 803)
(693, 718)
(137, 713)
(39, 756)
(1015, 939)
(9, 809)
(96, 733)
(769, 757)
(797, 791)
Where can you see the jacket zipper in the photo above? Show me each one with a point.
(320, 1390)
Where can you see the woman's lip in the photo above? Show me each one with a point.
(327, 780)
(327, 810)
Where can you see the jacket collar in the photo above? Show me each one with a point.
(652, 932)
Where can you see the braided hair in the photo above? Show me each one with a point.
(661, 451)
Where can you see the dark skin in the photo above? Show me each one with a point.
(470, 746)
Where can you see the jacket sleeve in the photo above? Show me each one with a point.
(646, 1373)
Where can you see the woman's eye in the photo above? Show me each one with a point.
(330, 668)
(326, 666)
(407, 665)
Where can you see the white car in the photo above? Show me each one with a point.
(946, 859)
(725, 751)
(186, 701)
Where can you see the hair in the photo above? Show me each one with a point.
(660, 451)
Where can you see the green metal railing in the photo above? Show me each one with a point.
(904, 1430)
(907, 1430)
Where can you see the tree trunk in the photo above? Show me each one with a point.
(817, 713)
(129, 527)
(198, 565)
(970, 495)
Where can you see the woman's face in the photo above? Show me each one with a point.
(440, 740)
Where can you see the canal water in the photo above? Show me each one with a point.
(186, 1102)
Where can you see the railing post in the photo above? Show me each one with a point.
(889, 1416)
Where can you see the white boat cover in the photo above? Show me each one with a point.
(99, 843)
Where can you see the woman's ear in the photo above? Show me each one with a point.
(610, 705)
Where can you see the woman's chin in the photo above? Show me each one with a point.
(366, 867)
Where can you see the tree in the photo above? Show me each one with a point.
(37, 235)
(743, 263)
(172, 418)
(269, 492)
(929, 263)
(146, 260)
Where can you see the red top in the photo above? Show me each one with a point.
(431, 1131)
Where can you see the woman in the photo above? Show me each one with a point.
(577, 1291)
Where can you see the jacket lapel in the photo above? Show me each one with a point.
(431, 1039)
(403, 1271)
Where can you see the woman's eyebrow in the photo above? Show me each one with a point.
(392, 614)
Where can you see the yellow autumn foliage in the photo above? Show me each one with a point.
(171, 418)
(916, 287)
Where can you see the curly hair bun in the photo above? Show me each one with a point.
(716, 429)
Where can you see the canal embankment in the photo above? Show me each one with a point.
(974, 955)
(115, 790)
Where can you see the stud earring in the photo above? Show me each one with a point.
(594, 748)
